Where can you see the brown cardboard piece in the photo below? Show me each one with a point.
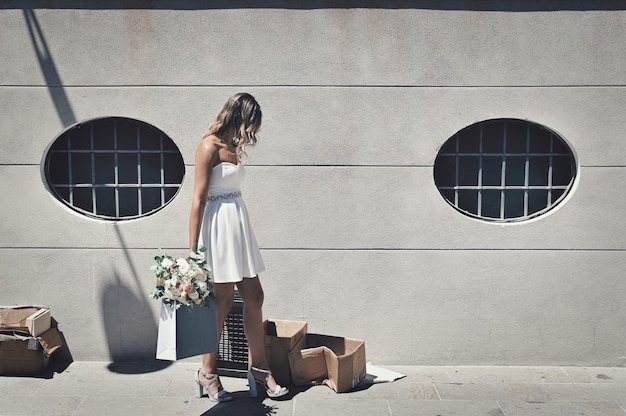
(281, 338)
(21, 353)
(308, 366)
(39, 322)
(14, 318)
(335, 361)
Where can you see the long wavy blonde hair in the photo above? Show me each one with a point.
(243, 114)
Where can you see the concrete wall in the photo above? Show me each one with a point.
(357, 239)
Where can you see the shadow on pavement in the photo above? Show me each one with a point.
(244, 405)
(138, 367)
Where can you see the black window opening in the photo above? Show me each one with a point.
(505, 170)
(114, 168)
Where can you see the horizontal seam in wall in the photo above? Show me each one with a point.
(364, 86)
(330, 249)
(323, 166)
(443, 249)
(331, 166)
(378, 166)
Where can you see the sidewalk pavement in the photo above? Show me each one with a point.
(162, 388)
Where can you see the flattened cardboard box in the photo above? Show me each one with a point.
(26, 339)
(335, 361)
(15, 317)
(281, 338)
(23, 354)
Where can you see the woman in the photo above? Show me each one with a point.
(219, 221)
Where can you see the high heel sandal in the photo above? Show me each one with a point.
(252, 382)
(219, 396)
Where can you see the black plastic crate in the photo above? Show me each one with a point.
(232, 359)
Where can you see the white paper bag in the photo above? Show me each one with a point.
(186, 331)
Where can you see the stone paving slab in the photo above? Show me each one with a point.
(597, 374)
(163, 388)
(585, 392)
(105, 387)
(131, 405)
(19, 386)
(317, 407)
(422, 374)
(447, 408)
(28, 405)
(509, 375)
(493, 391)
(561, 408)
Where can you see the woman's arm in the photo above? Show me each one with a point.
(207, 156)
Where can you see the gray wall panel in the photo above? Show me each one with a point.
(327, 207)
(399, 208)
(325, 126)
(457, 306)
(419, 307)
(278, 46)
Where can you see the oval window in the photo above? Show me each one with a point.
(114, 168)
(504, 170)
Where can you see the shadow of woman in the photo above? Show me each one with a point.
(242, 406)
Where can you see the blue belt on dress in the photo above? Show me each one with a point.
(228, 195)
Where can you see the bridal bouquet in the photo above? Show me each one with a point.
(185, 281)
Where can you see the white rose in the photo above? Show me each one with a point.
(199, 274)
(167, 263)
(193, 295)
(183, 266)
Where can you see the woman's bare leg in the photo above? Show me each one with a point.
(252, 295)
(224, 293)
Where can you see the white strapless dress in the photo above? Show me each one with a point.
(232, 249)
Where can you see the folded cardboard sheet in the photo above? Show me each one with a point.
(335, 361)
(38, 322)
(15, 317)
(281, 338)
(26, 340)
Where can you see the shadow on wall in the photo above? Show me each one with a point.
(129, 323)
(128, 319)
(49, 70)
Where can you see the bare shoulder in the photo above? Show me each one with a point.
(208, 149)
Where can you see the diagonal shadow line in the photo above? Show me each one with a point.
(48, 68)
(129, 260)
(67, 117)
